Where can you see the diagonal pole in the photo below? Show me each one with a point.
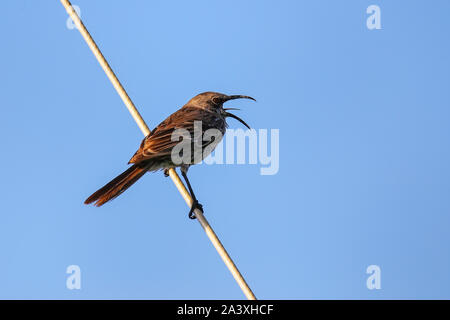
(145, 130)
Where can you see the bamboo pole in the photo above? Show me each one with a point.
(145, 130)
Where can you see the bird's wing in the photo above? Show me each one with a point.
(159, 142)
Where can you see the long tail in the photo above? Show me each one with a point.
(118, 185)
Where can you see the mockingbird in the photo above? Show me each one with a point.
(155, 152)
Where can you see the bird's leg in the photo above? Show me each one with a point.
(166, 173)
(195, 203)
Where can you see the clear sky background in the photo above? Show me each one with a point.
(364, 149)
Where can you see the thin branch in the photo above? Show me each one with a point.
(145, 130)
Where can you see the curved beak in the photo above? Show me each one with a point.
(238, 96)
(227, 114)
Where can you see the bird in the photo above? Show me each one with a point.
(155, 151)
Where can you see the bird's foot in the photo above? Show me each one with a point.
(166, 173)
(195, 205)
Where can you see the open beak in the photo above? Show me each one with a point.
(227, 114)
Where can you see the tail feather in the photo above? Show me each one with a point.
(118, 185)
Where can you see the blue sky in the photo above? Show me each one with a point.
(364, 174)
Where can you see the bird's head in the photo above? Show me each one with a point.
(214, 101)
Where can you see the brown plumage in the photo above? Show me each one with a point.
(155, 150)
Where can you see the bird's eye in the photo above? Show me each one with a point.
(216, 100)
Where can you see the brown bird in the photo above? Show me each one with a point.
(155, 152)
